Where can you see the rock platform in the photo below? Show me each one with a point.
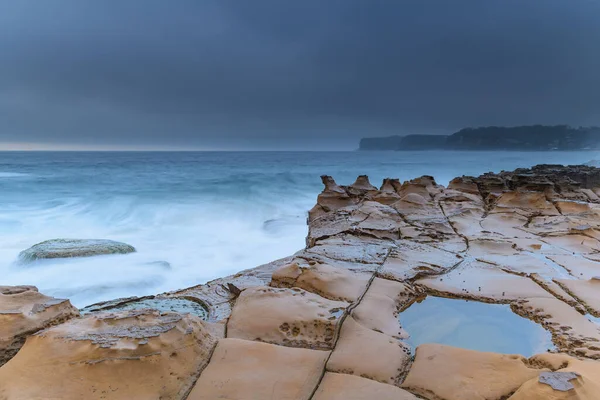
(326, 323)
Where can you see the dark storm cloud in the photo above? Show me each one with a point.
(282, 74)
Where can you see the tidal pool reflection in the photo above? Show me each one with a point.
(473, 325)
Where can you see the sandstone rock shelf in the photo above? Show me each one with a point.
(326, 322)
(24, 311)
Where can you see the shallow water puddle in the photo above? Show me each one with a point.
(593, 319)
(473, 325)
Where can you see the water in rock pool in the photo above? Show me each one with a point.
(593, 319)
(206, 214)
(473, 325)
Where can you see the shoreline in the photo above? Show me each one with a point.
(328, 319)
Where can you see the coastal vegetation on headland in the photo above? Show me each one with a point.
(517, 138)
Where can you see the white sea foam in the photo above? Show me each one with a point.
(199, 241)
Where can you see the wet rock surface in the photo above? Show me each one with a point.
(162, 304)
(68, 248)
(327, 322)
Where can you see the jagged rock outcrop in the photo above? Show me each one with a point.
(332, 198)
(362, 186)
(140, 354)
(388, 193)
(68, 248)
(24, 311)
(575, 182)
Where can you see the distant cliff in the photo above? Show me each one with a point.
(532, 138)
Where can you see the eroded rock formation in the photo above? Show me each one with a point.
(326, 322)
(24, 311)
(141, 354)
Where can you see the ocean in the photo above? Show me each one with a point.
(206, 214)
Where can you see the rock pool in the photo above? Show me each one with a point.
(473, 325)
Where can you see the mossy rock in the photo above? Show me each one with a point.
(70, 248)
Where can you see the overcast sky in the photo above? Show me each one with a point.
(278, 74)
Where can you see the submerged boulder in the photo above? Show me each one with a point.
(69, 248)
